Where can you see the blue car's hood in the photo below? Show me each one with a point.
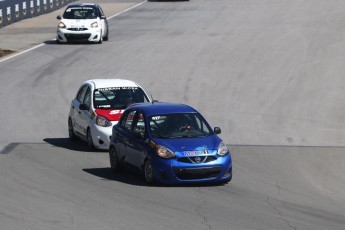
(190, 144)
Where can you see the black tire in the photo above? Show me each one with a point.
(113, 160)
(90, 144)
(71, 133)
(148, 172)
(106, 37)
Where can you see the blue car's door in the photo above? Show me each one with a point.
(137, 145)
(123, 135)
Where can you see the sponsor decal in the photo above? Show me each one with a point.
(45, 5)
(116, 111)
(16, 9)
(57, 2)
(9, 16)
(62, 2)
(51, 4)
(196, 153)
(110, 88)
(24, 8)
(108, 114)
(156, 118)
(0, 16)
(38, 5)
(32, 8)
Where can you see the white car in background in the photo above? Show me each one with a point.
(97, 107)
(83, 22)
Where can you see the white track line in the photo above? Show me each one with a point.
(42, 44)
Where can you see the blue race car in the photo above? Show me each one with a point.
(169, 143)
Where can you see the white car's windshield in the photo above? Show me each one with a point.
(178, 125)
(80, 12)
(118, 97)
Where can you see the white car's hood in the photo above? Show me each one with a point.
(77, 23)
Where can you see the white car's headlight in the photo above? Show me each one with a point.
(61, 25)
(222, 149)
(102, 121)
(94, 25)
(164, 152)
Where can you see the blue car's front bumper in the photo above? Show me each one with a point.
(174, 171)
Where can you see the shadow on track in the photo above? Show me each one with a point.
(134, 178)
(65, 143)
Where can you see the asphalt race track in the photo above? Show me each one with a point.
(269, 73)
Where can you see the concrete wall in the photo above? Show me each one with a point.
(15, 10)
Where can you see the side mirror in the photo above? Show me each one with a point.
(217, 130)
(83, 107)
(103, 17)
(59, 17)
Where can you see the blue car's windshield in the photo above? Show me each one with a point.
(178, 125)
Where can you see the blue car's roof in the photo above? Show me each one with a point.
(163, 108)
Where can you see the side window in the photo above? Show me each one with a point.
(201, 125)
(139, 125)
(87, 99)
(81, 93)
(127, 120)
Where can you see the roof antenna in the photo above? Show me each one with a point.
(153, 101)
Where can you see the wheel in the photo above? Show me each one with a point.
(106, 38)
(71, 134)
(148, 172)
(114, 162)
(89, 140)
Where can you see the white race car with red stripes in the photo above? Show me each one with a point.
(97, 107)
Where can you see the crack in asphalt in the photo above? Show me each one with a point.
(198, 207)
(280, 214)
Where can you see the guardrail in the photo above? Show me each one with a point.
(15, 10)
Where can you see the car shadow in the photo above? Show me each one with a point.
(53, 42)
(168, 0)
(66, 143)
(127, 177)
(135, 178)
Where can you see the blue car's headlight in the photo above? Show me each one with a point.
(102, 121)
(222, 149)
(164, 152)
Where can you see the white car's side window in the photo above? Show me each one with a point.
(81, 93)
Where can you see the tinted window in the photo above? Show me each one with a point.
(139, 125)
(118, 97)
(80, 12)
(87, 99)
(127, 120)
(179, 125)
(100, 11)
(81, 93)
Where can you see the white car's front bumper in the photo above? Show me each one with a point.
(70, 35)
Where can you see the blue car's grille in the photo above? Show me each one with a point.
(197, 159)
(197, 173)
